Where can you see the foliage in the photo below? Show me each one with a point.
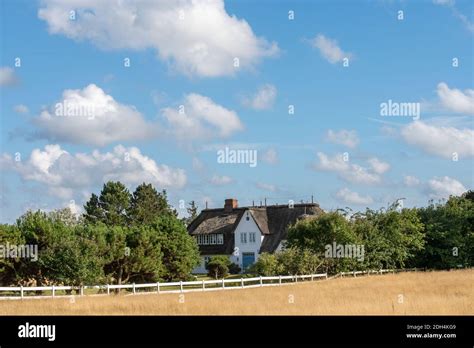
(218, 266)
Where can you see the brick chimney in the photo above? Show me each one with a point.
(230, 204)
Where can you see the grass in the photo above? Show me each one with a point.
(430, 293)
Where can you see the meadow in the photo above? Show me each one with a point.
(415, 293)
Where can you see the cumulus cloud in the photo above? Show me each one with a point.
(410, 180)
(21, 109)
(456, 100)
(221, 180)
(263, 99)
(439, 140)
(329, 49)
(194, 37)
(90, 116)
(347, 196)
(344, 137)
(64, 174)
(350, 172)
(199, 117)
(270, 156)
(378, 166)
(443, 187)
(7, 76)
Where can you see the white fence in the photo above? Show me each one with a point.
(180, 287)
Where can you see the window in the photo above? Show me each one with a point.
(210, 239)
(252, 237)
(243, 238)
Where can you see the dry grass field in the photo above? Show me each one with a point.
(392, 294)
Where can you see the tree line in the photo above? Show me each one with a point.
(122, 237)
(439, 236)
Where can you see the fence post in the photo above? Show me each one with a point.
(261, 281)
(312, 276)
(241, 282)
(52, 290)
(326, 275)
(108, 289)
(21, 291)
(82, 290)
(354, 273)
(279, 279)
(133, 287)
(181, 285)
(296, 278)
(203, 285)
(158, 287)
(223, 284)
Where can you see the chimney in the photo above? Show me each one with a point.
(230, 204)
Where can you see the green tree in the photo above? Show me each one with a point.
(193, 212)
(180, 250)
(266, 265)
(110, 207)
(146, 204)
(218, 266)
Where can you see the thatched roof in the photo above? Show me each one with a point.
(273, 222)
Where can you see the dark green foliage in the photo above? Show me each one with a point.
(218, 266)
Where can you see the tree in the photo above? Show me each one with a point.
(192, 213)
(449, 233)
(146, 204)
(180, 250)
(110, 207)
(218, 266)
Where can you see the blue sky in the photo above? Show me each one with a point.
(336, 146)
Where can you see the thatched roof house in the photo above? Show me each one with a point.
(247, 229)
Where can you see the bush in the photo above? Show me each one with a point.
(234, 268)
(218, 266)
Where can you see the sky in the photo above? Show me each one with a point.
(354, 103)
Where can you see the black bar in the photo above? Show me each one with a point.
(244, 331)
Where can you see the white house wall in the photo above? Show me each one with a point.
(246, 226)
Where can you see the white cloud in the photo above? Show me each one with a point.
(194, 37)
(263, 99)
(411, 181)
(439, 140)
(444, 2)
(266, 187)
(329, 49)
(270, 156)
(345, 137)
(348, 196)
(378, 166)
(455, 99)
(443, 187)
(7, 76)
(90, 116)
(352, 172)
(66, 174)
(201, 118)
(21, 109)
(221, 180)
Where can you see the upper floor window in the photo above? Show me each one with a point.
(243, 238)
(252, 237)
(210, 239)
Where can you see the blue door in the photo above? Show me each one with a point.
(247, 260)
